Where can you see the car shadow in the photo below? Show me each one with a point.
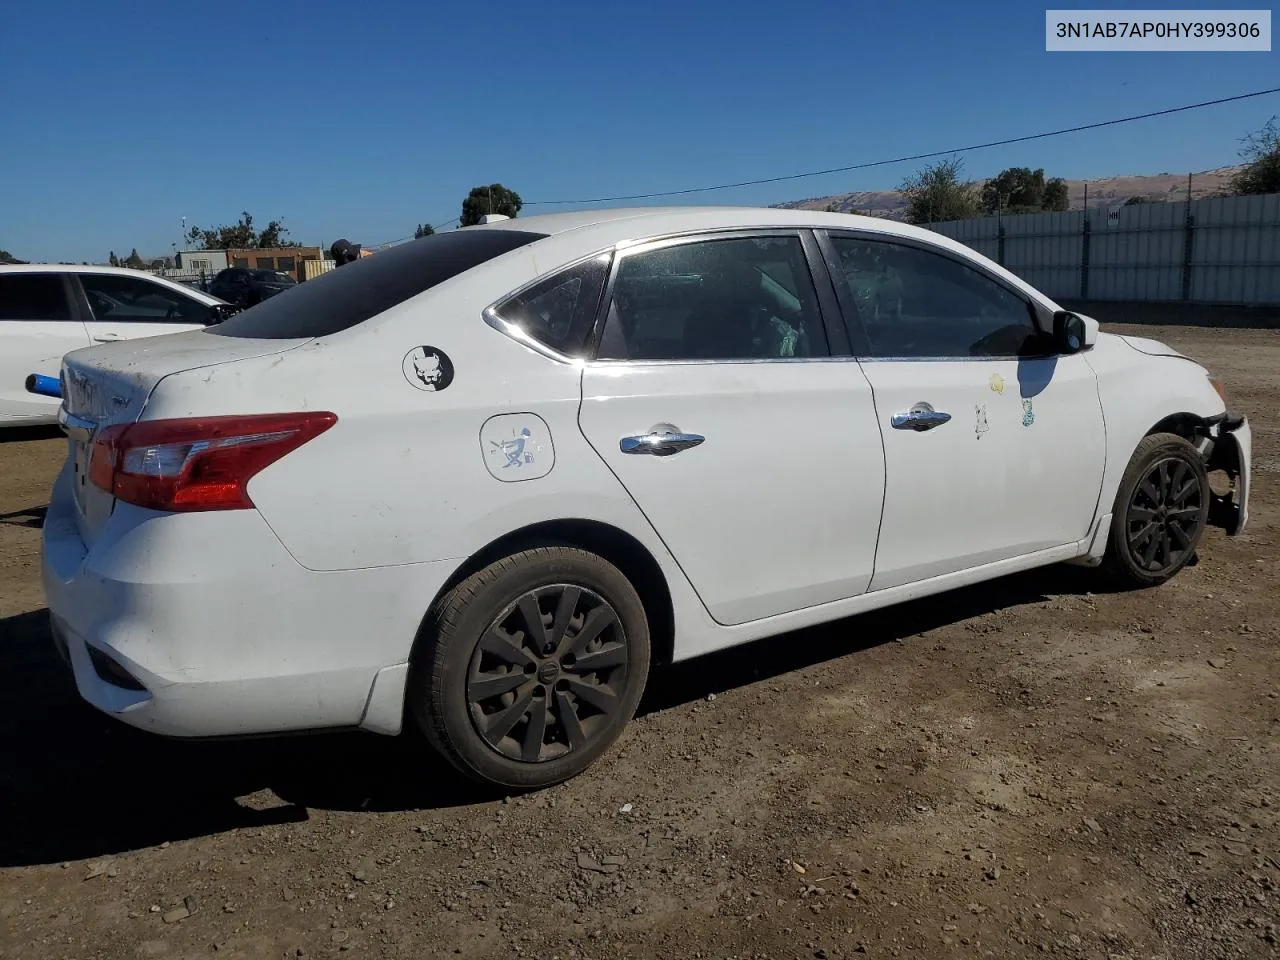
(28, 434)
(784, 653)
(78, 784)
(31, 517)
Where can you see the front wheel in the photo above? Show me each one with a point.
(530, 668)
(1159, 513)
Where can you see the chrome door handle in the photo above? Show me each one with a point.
(920, 417)
(660, 443)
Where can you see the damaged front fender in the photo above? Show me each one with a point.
(1231, 453)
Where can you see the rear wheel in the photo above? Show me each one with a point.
(531, 667)
(1159, 513)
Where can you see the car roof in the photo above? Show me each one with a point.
(654, 220)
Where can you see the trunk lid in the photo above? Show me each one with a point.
(109, 384)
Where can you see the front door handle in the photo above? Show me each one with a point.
(661, 441)
(107, 338)
(920, 417)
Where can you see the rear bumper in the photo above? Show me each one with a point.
(1232, 453)
(203, 625)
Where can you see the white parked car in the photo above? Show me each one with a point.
(485, 480)
(48, 310)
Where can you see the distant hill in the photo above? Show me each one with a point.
(1107, 190)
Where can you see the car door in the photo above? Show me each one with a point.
(37, 327)
(123, 307)
(993, 444)
(717, 402)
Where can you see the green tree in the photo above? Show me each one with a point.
(424, 230)
(1261, 152)
(134, 261)
(241, 235)
(1056, 198)
(1023, 190)
(1013, 190)
(494, 198)
(113, 259)
(274, 234)
(937, 194)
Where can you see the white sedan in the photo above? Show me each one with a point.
(48, 310)
(483, 481)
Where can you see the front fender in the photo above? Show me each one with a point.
(1139, 391)
(1232, 453)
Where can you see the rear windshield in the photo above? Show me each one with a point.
(351, 294)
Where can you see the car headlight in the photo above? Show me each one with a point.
(1218, 388)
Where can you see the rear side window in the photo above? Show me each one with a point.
(560, 311)
(351, 294)
(33, 296)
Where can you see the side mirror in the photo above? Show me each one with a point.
(1070, 332)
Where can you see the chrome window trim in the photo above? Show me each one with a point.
(491, 316)
(710, 362)
(508, 329)
(1009, 359)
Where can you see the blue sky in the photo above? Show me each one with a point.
(364, 119)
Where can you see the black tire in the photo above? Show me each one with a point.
(478, 665)
(1159, 513)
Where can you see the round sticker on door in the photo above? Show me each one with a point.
(427, 368)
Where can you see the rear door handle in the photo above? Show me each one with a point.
(920, 417)
(660, 443)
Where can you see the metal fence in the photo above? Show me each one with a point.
(1220, 250)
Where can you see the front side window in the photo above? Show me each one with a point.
(749, 298)
(118, 299)
(915, 303)
(560, 311)
(33, 296)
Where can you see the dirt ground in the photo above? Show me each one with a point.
(1021, 768)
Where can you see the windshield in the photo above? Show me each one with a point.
(351, 294)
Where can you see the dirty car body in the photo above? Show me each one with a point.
(483, 481)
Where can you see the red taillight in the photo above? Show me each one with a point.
(201, 463)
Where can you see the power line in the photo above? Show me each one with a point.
(917, 156)
(877, 163)
(434, 228)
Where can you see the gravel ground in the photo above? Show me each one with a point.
(1019, 768)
